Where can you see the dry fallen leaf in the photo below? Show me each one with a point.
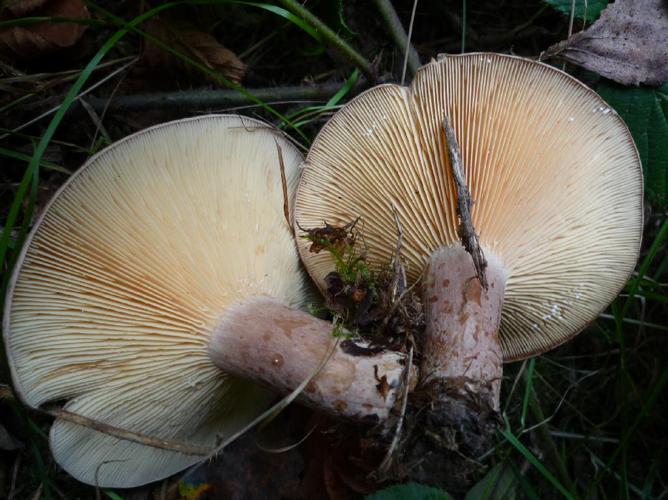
(627, 44)
(39, 39)
(22, 6)
(197, 45)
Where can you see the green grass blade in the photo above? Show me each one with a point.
(199, 66)
(286, 14)
(23, 157)
(529, 491)
(33, 167)
(531, 458)
(528, 391)
(646, 411)
(343, 91)
(656, 245)
(113, 495)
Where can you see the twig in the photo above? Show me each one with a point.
(103, 113)
(284, 185)
(79, 96)
(399, 282)
(466, 231)
(38, 492)
(399, 279)
(398, 33)
(119, 433)
(385, 464)
(340, 45)
(15, 473)
(97, 121)
(206, 99)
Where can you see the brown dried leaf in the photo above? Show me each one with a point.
(22, 6)
(197, 45)
(39, 39)
(627, 44)
(328, 236)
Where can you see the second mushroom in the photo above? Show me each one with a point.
(555, 205)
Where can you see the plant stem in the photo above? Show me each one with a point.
(328, 34)
(550, 447)
(398, 33)
(208, 99)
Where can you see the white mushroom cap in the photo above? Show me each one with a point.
(553, 171)
(124, 277)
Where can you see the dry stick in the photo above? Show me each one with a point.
(385, 464)
(15, 474)
(398, 33)
(466, 231)
(399, 279)
(410, 34)
(79, 96)
(126, 435)
(206, 98)
(326, 32)
(284, 185)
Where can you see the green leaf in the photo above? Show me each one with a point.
(645, 111)
(280, 11)
(410, 491)
(593, 7)
(498, 484)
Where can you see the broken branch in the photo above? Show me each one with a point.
(126, 435)
(466, 231)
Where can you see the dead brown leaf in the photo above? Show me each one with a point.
(200, 46)
(22, 6)
(329, 236)
(35, 40)
(627, 44)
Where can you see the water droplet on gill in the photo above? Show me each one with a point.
(571, 119)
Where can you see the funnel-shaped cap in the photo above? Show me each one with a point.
(124, 277)
(553, 172)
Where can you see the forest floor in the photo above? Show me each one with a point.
(586, 420)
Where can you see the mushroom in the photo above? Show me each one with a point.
(556, 188)
(159, 295)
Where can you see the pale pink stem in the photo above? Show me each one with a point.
(263, 340)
